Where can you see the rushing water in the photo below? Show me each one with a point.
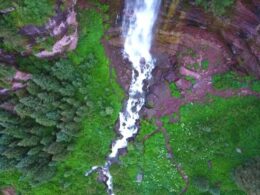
(138, 23)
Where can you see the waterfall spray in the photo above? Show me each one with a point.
(138, 23)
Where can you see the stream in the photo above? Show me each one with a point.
(137, 30)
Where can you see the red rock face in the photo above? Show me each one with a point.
(233, 40)
(183, 42)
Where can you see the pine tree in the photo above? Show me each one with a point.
(44, 121)
(32, 88)
(29, 141)
(27, 161)
(55, 148)
(14, 153)
(6, 75)
(64, 71)
(35, 150)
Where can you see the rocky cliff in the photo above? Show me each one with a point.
(191, 47)
(232, 40)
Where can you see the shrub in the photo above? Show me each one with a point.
(216, 6)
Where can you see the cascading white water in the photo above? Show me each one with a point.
(139, 19)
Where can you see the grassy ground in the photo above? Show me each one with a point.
(92, 145)
(233, 80)
(209, 141)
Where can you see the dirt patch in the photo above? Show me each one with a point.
(8, 191)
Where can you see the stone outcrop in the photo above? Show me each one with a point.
(232, 40)
(58, 27)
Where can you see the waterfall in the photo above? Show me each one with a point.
(138, 23)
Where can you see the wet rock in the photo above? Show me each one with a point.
(114, 160)
(139, 177)
(7, 10)
(197, 17)
(142, 61)
(171, 77)
(33, 31)
(122, 151)
(102, 178)
(238, 150)
(7, 57)
(149, 104)
(183, 84)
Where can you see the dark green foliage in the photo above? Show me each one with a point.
(205, 64)
(227, 80)
(174, 90)
(218, 7)
(6, 75)
(201, 183)
(204, 142)
(256, 86)
(25, 12)
(96, 92)
(48, 117)
(233, 80)
(31, 12)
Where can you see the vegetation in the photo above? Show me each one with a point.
(216, 6)
(205, 64)
(30, 12)
(48, 112)
(69, 106)
(6, 75)
(175, 92)
(209, 141)
(62, 123)
(235, 81)
(25, 12)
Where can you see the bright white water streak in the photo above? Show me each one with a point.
(138, 23)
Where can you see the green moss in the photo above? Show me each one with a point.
(256, 86)
(205, 64)
(218, 8)
(230, 80)
(174, 90)
(196, 66)
(234, 81)
(191, 79)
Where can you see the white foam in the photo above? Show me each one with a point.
(138, 23)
